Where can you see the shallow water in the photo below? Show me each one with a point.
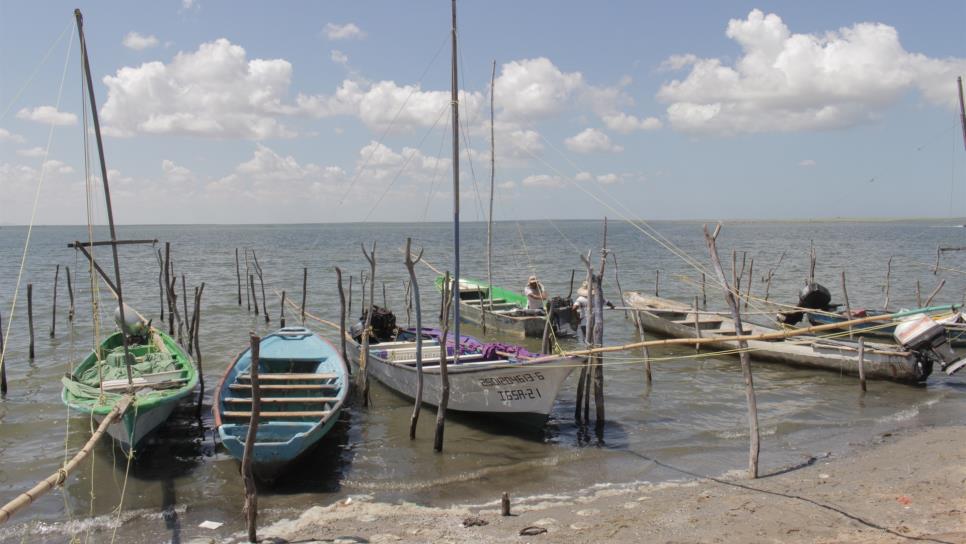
(691, 421)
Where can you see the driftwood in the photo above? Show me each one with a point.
(414, 285)
(251, 493)
(754, 447)
(443, 370)
(58, 478)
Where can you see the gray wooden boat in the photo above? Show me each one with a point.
(677, 320)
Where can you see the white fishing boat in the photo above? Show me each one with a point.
(485, 380)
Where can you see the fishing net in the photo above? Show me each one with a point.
(86, 385)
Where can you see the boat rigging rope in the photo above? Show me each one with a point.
(405, 164)
(395, 118)
(432, 186)
(43, 61)
(33, 211)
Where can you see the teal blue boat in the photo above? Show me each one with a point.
(302, 383)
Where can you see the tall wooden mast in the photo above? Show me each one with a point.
(454, 99)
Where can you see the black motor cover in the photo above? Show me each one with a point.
(813, 296)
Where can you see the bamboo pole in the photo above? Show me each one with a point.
(418, 401)
(367, 331)
(238, 275)
(281, 310)
(754, 446)
(848, 306)
(59, 477)
(305, 285)
(448, 290)
(862, 364)
(777, 335)
(251, 493)
(934, 292)
(53, 306)
(30, 318)
(345, 355)
(70, 293)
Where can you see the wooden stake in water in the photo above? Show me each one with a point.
(70, 293)
(505, 504)
(261, 282)
(281, 313)
(345, 356)
(305, 284)
(414, 286)
(754, 446)
(30, 318)
(187, 316)
(161, 269)
(862, 363)
(848, 307)
(704, 293)
(644, 352)
(196, 327)
(348, 301)
(53, 306)
(885, 305)
(934, 292)
(167, 286)
(238, 275)
(657, 283)
(251, 493)
(3, 362)
(448, 290)
(367, 332)
(251, 285)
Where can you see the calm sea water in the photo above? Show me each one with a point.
(691, 421)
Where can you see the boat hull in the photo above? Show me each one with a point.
(519, 389)
(522, 327)
(658, 315)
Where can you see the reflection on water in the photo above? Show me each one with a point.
(691, 419)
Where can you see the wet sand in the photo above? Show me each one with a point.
(900, 488)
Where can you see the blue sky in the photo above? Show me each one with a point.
(250, 112)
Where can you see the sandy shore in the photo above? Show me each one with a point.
(901, 488)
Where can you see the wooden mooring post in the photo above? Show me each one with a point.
(367, 331)
(644, 352)
(261, 282)
(161, 284)
(30, 318)
(195, 339)
(414, 290)
(848, 306)
(345, 356)
(862, 363)
(305, 285)
(3, 362)
(885, 305)
(251, 493)
(238, 275)
(281, 311)
(505, 504)
(657, 283)
(755, 439)
(935, 292)
(53, 305)
(448, 288)
(70, 293)
(251, 286)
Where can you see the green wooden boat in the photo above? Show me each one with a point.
(508, 313)
(162, 373)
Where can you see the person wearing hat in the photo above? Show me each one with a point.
(582, 307)
(536, 295)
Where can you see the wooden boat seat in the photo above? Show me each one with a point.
(282, 376)
(285, 387)
(277, 415)
(703, 323)
(282, 400)
(160, 380)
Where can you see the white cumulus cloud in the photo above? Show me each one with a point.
(215, 91)
(7, 136)
(136, 41)
(31, 152)
(47, 115)
(542, 181)
(339, 57)
(625, 124)
(592, 140)
(348, 31)
(534, 88)
(784, 81)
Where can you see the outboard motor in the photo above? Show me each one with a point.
(928, 339)
(813, 296)
(383, 326)
(134, 326)
(563, 317)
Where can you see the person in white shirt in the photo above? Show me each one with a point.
(536, 294)
(582, 307)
